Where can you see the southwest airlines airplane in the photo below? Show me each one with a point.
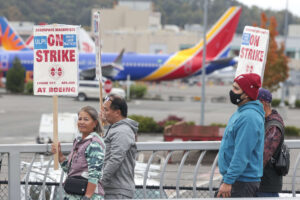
(146, 67)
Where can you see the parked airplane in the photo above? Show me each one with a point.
(147, 67)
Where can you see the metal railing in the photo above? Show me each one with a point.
(149, 151)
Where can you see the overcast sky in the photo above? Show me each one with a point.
(293, 5)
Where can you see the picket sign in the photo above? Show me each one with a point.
(97, 35)
(55, 66)
(253, 51)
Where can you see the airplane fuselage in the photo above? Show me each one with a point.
(138, 66)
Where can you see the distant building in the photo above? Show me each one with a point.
(25, 29)
(193, 28)
(134, 26)
(130, 15)
(137, 5)
(294, 30)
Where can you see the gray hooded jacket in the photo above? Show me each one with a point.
(119, 162)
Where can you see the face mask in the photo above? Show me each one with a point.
(235, 98)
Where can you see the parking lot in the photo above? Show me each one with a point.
(21, 114)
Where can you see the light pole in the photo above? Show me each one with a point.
(203, 64)
(285, 38)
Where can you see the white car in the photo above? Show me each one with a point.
(67, 128)
(90, 90)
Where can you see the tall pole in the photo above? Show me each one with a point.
(203, 64)
(285, 38)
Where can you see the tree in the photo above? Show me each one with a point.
(15, 77)
(276, 69)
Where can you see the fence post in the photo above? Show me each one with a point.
(14, 186)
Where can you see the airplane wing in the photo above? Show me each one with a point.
(108, 70)
(222, 60)
(118, 61)
(220, 63)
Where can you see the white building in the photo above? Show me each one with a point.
(134, 26)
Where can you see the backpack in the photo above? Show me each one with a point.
(281, 157)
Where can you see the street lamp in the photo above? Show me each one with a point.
(285, 52)
(203, 64)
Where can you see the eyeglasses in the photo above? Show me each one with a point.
(114, 105)
(107, 98)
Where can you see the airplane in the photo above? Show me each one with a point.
(144, 67)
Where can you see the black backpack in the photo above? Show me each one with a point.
(281, 157)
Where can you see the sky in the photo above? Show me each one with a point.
(293, 5)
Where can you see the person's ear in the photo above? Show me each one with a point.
(265, 105)
(245, 95)
(96, 123)
(119, 112)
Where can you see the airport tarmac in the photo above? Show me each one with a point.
(20, 115)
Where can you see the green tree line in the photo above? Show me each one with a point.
(177, 12)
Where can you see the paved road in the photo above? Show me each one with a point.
(20, 114)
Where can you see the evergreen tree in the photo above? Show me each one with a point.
(276, 69)
(15, 77)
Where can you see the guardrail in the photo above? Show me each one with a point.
(152, 150)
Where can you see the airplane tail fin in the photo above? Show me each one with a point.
(189, 61)
(86, 44)
(10, 40)
(219, 37)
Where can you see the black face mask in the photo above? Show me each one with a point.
(235, 98)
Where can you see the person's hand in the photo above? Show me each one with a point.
(54, 150)
(224, 190)
(102, 118)
(61, 157)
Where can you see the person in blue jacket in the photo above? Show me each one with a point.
(241, 152)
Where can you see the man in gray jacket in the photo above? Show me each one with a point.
(119, 162)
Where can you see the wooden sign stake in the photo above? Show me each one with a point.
(55, 129)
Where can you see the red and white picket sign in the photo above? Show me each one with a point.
(253, 52)
(56, 60)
